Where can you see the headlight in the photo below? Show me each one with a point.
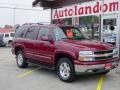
(115, 52)
(86, 56)
(86, 53)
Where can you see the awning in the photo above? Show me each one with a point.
(56, 3)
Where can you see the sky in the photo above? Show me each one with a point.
(20, 16)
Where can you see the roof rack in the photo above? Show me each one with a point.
(33, 24)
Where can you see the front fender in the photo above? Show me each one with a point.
(65, 52)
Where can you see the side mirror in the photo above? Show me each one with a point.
(44, 38)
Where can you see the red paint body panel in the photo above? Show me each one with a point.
(45, 51)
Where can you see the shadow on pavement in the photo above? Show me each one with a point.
(52, 73)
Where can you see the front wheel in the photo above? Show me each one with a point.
(65, 70)
(10, 43)
(20, 59)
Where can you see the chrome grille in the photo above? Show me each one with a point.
(103, 52)
(103, 55)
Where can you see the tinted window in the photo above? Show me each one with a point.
(58, 33)
(20, 31)
(32, 33)
(1, 36)
(6, 35)
(11, 34)
(44, 31)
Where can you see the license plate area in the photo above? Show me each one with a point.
(108, 66)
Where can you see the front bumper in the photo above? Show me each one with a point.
(2, 43)
(93, 67)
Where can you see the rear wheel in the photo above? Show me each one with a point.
(3, 45)
(20, 59)
(65, 70)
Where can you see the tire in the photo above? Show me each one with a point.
(10, 43)
(20, 60)
(65, 70)
(3, 45)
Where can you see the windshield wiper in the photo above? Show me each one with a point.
(79, 38)
(64, 38)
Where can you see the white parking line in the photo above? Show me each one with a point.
(5, 61)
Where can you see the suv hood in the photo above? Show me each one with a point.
(89, 44)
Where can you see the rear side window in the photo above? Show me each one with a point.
(32, 33)
(6, 35)
(12, 34)
(20, 31)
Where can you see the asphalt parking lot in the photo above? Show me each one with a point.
(37, 78)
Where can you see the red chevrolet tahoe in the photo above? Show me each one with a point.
(63, 48)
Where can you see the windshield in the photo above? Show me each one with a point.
(12, 34)
(71, 33)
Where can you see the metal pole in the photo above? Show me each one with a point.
(118, 30)
(14, 16)
(51, 16)
(102, 14)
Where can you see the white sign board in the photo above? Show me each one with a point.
(85, 9)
